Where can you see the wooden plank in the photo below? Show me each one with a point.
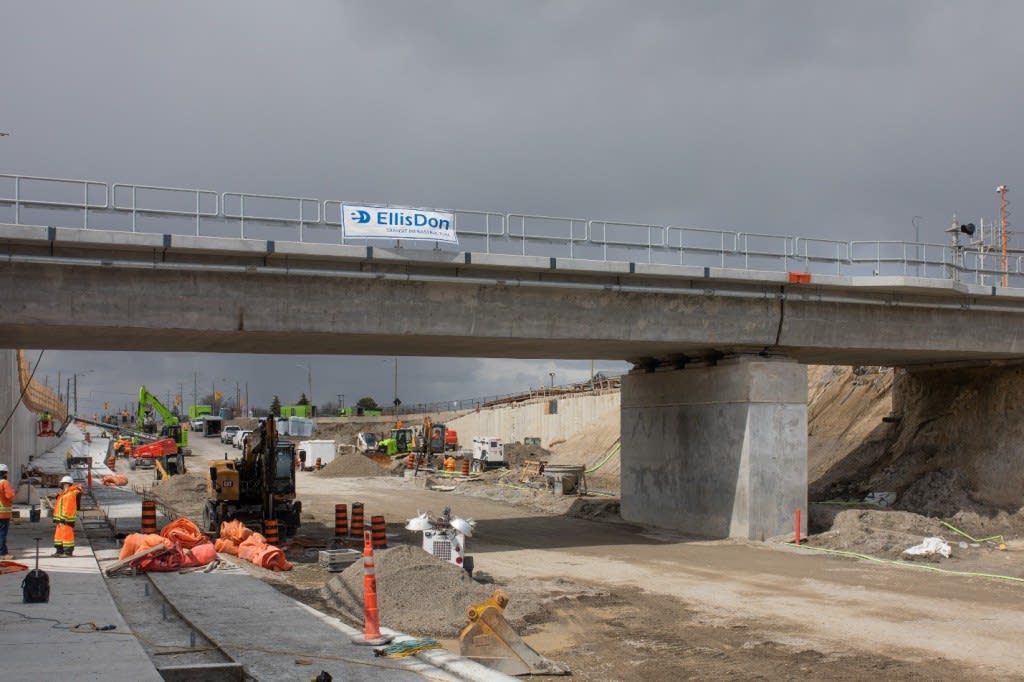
(117, 565)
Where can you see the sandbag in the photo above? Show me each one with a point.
(115, 480)
(271, 557)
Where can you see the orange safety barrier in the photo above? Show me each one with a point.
(799, 278)
(340, 520)
(236, 539)
(149, 516)
(184, 532)
(11, 567)
(371, 616)
(356, 527)
(378, 531)
(136, 542)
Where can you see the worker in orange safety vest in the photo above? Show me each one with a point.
(6, 500)
(65, 512)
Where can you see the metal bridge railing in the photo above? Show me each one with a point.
(170, 194)
(37, 200)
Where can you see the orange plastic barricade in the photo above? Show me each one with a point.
(136, 542)
(184, 532)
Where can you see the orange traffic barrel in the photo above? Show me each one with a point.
(465, 467)
(378, 532)
(410, 461)
(270, 531)
(149, 516)
(340, 520)
(356, 528)
(318, 465)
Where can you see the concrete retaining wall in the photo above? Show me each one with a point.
(538, 417)
(18, 440)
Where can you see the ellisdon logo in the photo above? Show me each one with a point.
(400, 218)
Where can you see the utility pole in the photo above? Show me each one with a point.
(396, 402)
(76, 392)
(195, 388)
(247, 397)
(1003, 225)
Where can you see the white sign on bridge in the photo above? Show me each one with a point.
(397, 222)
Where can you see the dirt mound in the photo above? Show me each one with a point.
(352, 465)
(517, 453)
(416, 593)
(878, 533)
(185, 493)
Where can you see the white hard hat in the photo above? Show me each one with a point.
(3, 468)
(66, 479)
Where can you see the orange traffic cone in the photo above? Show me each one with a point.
(371, 618)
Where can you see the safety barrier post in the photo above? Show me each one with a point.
(378, 530)
(796, 530)
(270, 532)
(89, 475)
(149, 517)
(356, 527)
(371, 617)
(340, 520)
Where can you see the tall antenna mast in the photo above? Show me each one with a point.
(1004, 227)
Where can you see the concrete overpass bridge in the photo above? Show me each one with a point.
(714, 417)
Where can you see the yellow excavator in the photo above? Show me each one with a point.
(255, 487)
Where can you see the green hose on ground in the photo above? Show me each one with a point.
(906, 564)
(950, 526)
(611, 451)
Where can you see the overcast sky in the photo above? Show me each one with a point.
(839, 120)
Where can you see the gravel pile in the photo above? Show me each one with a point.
(185, 493)
(416, 593)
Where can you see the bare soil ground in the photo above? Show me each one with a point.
(619, 602)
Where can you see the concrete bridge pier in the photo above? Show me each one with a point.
(717, 451)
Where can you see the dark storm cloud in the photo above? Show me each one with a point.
(838, 120)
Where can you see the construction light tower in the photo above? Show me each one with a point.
(1003, 228)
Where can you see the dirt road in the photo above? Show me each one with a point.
(638, 603)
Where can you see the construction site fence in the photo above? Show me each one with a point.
(38, 397)
(94, 204)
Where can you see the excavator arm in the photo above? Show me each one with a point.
(168, 417)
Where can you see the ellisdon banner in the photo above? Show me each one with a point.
(397, 222)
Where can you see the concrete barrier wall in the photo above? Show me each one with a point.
(18, 440)
(536, 417)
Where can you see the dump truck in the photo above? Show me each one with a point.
(258, 486)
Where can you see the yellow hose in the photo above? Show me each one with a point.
(906, 564)
(611, 451)
(1000, 538)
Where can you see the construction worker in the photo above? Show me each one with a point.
(65, 511)
(6, 500)
(449, 463)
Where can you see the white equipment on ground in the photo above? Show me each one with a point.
(314, 450)
(488, 453)
(444, 537)
(366, 442)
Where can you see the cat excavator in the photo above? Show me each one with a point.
(258, 486)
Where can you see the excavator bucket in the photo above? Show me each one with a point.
(491, 641)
